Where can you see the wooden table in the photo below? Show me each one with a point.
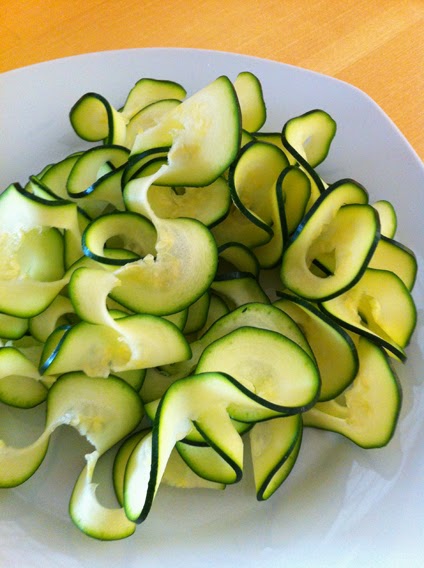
(376, 45)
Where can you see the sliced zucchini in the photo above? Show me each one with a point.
(39, 189)
(20, 382)
(237, 227)
(251, 99)
(274, 446)
(334, 350)
(206, 204)
(138, 163)
(379, 307)
(85, 170)
(269, 255)
(388, 217)
(250, 315)
(178, 474)
(208, 464)
(179, 318)
(281, 375)
(275, 139)
(296, 192)
(119, 230)
(12, 327)
(56, 176)
(39, 254)
(197, 314)
(93, 118)
(155, 384)
(21, 212)
(42, 325)
(206, 400)
(107, 261)
(19, 464)
(104, 194)
(217, 309)
(147, 91)
(181, 272)
(396, 257)
(368, 411)
(203, 132)
(88, 290)
(104, 411)
(309, 136)
(196, 435)
(28, 298)
(340, 224)
(134, 378)
(252, 179)
(90, 516)
(238, 289)
(135, 342)
(235, 257)
(121, 460)
(147, 117)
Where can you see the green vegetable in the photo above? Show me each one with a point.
(189, 285)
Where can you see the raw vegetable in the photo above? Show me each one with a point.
(189, 285)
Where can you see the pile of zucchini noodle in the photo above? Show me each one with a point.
(135, 302)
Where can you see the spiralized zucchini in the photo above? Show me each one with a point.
(189, 285)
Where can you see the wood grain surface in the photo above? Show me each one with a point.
(376, 45)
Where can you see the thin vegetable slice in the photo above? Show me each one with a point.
(324, 230)
(275, 446)
(369, 410)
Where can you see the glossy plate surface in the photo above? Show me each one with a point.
(341, 506)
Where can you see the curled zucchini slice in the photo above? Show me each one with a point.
(93, 118)
(251, 99)
(203, 134)
(20, 382)
(148, 91)
(281, 375)
(396, 257)
(275, 445)
(368, 411)
(379, 307)
(205, 401)
(309, 136)
(126, 230)
(255, 314)
(338, 365)
(340, 226)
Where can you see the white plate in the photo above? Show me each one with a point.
(341, 506)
